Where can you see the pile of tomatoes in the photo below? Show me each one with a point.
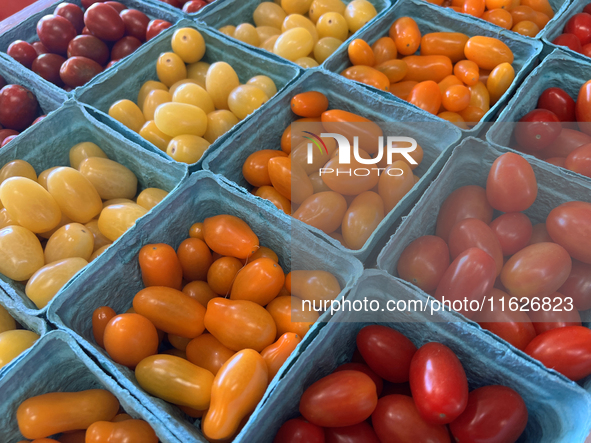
(18, 110)
(193, 103)
(531, 280)
(559, 129)
(225, 306)
(306, 32)
(394, 392)
(54, 224)
(13, 341)
(576, 34)
(188, 6)
(74, 46)
(90, 416)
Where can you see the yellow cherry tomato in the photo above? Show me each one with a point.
(220, 80)
(75, 194)
(82, 151)
(151, 133)
(128, 114)
(71, 240)
(294, 43)
(187, 148)
(218, 123)
(170, 68)
(17, 168)
(14, 343)
(21, 254)
(193, 94)
(51, 278)
(179, 119)
(148, 87)
(150, 197)
(115, 220)
(188, 44)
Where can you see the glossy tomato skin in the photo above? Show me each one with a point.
(343, 398)
(438, 384)
(580, 26)
(73, 13)
(124, 47)
(537, 129)
(494, 414)
(579, 160)
(566, 350)
(297, 430)
(567, 141)
(546, 320)
(22, 52)
(155, 27)
(55, 32)
(569, 225)
(127, 431)
(474, 233)
(570, 41)
(514, 231)
(558, 101)
(18, 107)
(578, 285)
(90, 47)
(77, 71)
(511, 185)
(136, 23)
(104, 22)
(160, 266)
(48, 67)
(359, 433)
(362, 367)
(424, 261)
(387, 352)
(397, 420)
(583, 108)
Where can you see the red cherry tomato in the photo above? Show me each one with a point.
(586, 50)
(124, 47)
(297, 430)
(77, 71)
(362, 367)
(40, 48)
(567, 141)
(546, 320)
(18, 107)
(73, 13)
(566, 350)
(537, 129)
(579, 160)
(511, 184)
(438, 384)
(48, 66)
(90, 47)
(514, 231)
(360, 433)
(155, 27)
(7, 140)
(119, 7)
(6, 134)
(194, 6)
(55, 32)
(570, 41)
(136, 23)
(22, 52)
(583, 108)
(494, 414)
(396, 419)
(578, 285)
(559, 102)
(569, 225)
(580, 26)
(104, 22)
(424, 261)
(387, 352)
(344, 398)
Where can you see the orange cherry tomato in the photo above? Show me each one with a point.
(367, 75)
(363, 216)
(221, 274)
(487, 52)
(100, 318)
(421, 68)
(498, 4)
(542, 6)
(406, 34)
(309, 104)
(237, 389)
(271, 194)
(324, 210)
(284, 173)
(393, 187)
(395, 70)
(499, 81)
(195, 259)
(474, 7)
(196, 231)
(228, 235)
(472, 115)
(194, 413)
(128, 431)
(178, 342)
(314, 285)
(450, 80)
(522, 13)
(456, 98)
(207, 352)
(287, 138)
(57, 412)
(121, 417)
(449, 44)
(200, 291)
(277, 353)
(467, 71)
(336, 177)
(255, 169)
(351, 125)
(453, 117)
(170, 311)
(240, 324)
(259, 281)
(290, 316)
(129, 338)
(527, 28)
(402, 89)
(427, 96)
(499, 17)
(360, 53)
(384, 49)
(479, 96)
(160, 266)
(73, 437)
(264, 252)
(540, 19)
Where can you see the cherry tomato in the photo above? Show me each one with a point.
(500, 17)
(566, 350)
(90, 47)
(127, 431)
(193, 6)
(195, 259)
(73, 13)
(494, 414)
(557, 101)
(359, 433)
(384, 50)
(424, 261)
(499, 81)
(343, 398)
(136, 23)
(48, 67)
(221, 274)
(513, 230)
(367, 75)
(229, 235)
(276, 354)
(289, 315)
(579, 160)
(160, 266)
(487, 52)
(474, 233)
(362, 367)
(259, 281)
(18, 107)
(580, 26)
(450, 44)
(124, 47)
(456, 98)
(511, 184)
(402, 89)
(568, 225)
(578, 285)
(255, 169)
(406, 34)
(77, 71)
(207, 352)
(104, 22)
(22, 52)
(570, 41)
(348, 124)
(129, 338)
(309, 104)
(155, 27)
(583, 108)
(55, 32)
(100, 318)
(427, 96)
(537, 129)
(421, 68)
(360, 53)
(387, 352)
(546, 320)
(297, 430)
(567, 141)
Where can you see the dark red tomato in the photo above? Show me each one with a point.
(86, 31)
(396, 388)
(77, 71)
(557, 161)
(424, 261)
(470, 277)
(7, 140)
(22, 52)
(88, 3)
(90, 47)
(359, 433)
(18, 107)
(397, 420)
(580, 26)
(587, 9)
(514, 231)
(40, 48)
(474, 233)
(569, 225)
(511, 184)
(559, 102)
(344, 398)
(136, 23)
(6, 134)
(55, 32)
(539, 234)
(124, 47)
(580, 160)
(465, 202)
(111, 63)
(570, 41)
(362, 367)
(104, 22)
(514, 327)
(173, 3)
(119, 7)
(387, 352)
(566, 350)
(494, 414)
(583, 109)
(537, 129)
(48, 67)
(38, 119)
(438, 384)
(567, 141)
(73, 13)
(578, 285)
(194, 6)
(546, 320)
(586, 50)
(155, 27)
(297, 430)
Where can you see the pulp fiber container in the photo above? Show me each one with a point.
(236, 12)
(27, 31)
(431, 18)
(57, 364)
(559, 412)
(194, 15)
(48, 144)
(560, 70)
(469, 164)
(126, 78)
(117, 281)
(435, 137)
(555, 28)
